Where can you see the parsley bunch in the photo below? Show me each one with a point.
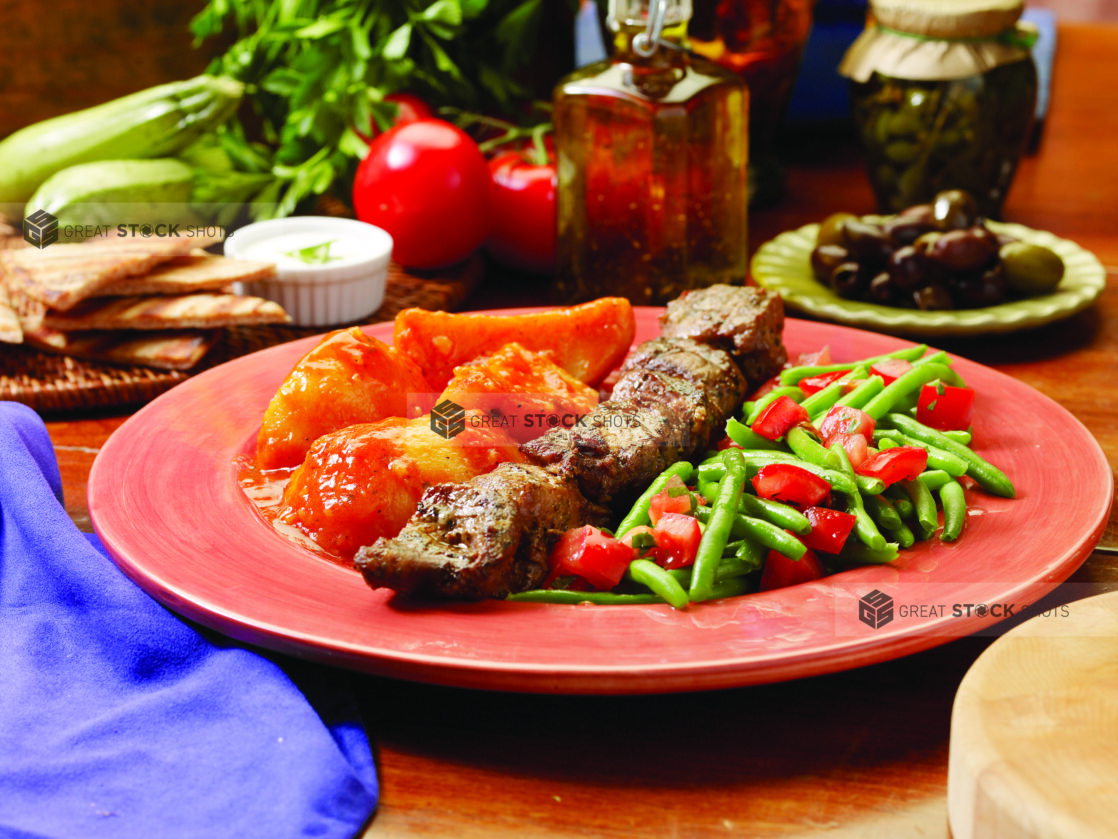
(317, 72)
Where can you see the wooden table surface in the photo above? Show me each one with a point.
(857, 754)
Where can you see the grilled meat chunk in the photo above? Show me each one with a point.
(700, 381)
(621, 444)
(746, 321)
(486, 537)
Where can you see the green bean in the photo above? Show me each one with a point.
(638, 514)
(747, 438)
(733, 566)
(707, 489)
(959, 435)
(782, 515)
(769, 535)
(749, 552)
(792, 375)
(985, 474)
(793, 393)
(906, 384)
(731, 587)
(660, 582)
(562, 595)
(882, 512)
(934, 479)
(804, 445)
(903, 536)
(927, 515)
(901, 502)
(862, 394)
(723, 512)
(864, 525)
(954, 503)
(857, 553)
(755, 460)
(821, 401)
(938, 458)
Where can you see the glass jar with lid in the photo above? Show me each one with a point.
(943, 94)
(652, 156)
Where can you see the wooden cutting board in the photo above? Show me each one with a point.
(1034, 730)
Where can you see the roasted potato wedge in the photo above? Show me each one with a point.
(348, 378)
(587, 340)
(364, 481)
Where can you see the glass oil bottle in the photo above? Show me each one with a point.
(652, 165)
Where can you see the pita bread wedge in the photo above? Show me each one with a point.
(61, 274)
(185, 311)
(10, 330)
(170, 350)
(189, 274)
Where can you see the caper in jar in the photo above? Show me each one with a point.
(1031, 269)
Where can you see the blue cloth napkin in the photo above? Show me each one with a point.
(118, 719)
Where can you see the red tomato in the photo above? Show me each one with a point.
(428, 185)
(678, 536)
(409, 108)
(890, 368)
(844, 420)
(673, 498)
(829, 529)
(780, 571)
(945, 407)
(778, 417)
(788, 482)
(524, 215)
(589, 553)
(764, 388)
(813, 384)
(818, 358)
(642, 540)
(895, 464)
(856, 446)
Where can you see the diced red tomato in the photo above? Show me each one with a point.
(890, 368)
(812, 384)
(856, 446)
(764, 388)
(726, 443)
(814, 359)
(678, 536)
(844, 420)
(895, 464)
(642, 539)
(673, 498)
(587, 552)
(780, 571)
(829, 529)
(945, 407)
(790, 483)
(778, 417)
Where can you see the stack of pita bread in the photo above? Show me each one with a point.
(157, 302)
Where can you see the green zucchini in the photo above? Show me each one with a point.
(152, 123)
(112, 192)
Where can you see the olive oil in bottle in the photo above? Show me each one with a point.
(652, 165)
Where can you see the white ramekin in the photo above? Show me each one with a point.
(318, 294)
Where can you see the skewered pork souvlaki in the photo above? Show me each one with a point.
(490, 536)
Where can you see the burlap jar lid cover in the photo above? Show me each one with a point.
(932, 40)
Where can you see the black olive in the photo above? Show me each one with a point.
(985, 289)
(906, 227)
(882, 290)
(909, 268)
(954, 209)
(867, 242)
(932, 297)
(849, 280)
(824, 258)
(964, 250)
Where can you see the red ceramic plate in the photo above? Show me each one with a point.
(165, 500)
